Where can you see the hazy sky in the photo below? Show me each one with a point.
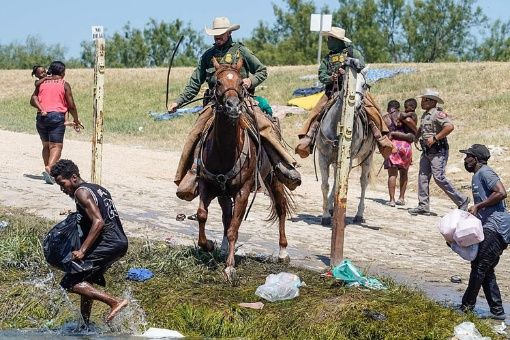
(72, 19)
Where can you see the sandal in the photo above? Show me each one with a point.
(390, 203)
(400, 202)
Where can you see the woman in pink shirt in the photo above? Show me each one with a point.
(53, 99)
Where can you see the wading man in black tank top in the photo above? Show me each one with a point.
(103, 241)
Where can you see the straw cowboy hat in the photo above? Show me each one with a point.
(337, 33)
(221, 25)
(432, 94)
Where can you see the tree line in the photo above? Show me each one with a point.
(383, 30)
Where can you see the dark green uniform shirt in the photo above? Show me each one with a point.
(433, 121)
(332, 62)
(229, 53)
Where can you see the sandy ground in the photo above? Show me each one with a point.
(391, 242)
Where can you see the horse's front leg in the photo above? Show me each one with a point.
(240, 203)
(202, 211)
(226, 209)
(324, 168)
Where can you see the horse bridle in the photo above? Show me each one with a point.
(217, 95)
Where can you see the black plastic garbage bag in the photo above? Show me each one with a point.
(61, 240)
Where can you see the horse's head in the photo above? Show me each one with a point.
(229, 90)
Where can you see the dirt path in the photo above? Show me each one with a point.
(391, 243)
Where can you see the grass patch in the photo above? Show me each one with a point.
(475, 95)
(188, 294)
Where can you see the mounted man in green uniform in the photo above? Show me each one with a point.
(253, 72)
(331, 71)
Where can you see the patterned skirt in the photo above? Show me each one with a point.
(402, 158)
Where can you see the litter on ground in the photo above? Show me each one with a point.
(348, 273)
(139, 274)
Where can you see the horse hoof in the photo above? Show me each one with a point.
(326, 221)
(284, 260)
(230, 274)
(210, 246)
(358, 219)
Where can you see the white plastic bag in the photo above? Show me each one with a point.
(281, 286)
(469, 230)
(467, 253)
(160, 333)
(448, 223)
(468, 331)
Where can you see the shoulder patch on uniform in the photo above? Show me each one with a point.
(442, 114)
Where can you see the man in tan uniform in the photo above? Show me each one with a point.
(434, 127)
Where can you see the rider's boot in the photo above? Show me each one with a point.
(386, 147)
(286, 173)
(304, 147)
(188, 187)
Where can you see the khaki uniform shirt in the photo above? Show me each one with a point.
(432, 122)
(229, 53)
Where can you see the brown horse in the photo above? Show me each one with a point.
(230, 162)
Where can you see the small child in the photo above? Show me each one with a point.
(409, 117)
(40, 73)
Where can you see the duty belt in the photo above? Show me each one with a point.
(438, 146)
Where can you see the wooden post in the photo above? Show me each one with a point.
(344, 131)
(97, 135)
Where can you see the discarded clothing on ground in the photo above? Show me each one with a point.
(307, 91)
(158, 116)
(139, 274)
(376, 74)
(348, 273)
(307, 102)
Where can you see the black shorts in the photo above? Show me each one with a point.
(51, 127)
(95, 276)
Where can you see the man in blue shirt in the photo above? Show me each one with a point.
(488, 195)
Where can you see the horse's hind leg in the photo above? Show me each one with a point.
(280, 205)
(202, 212)
(226, 209)
(364, 179)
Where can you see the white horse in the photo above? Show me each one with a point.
(362, 149)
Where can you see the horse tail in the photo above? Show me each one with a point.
(281, 198)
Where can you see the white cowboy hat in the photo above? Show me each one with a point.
(337, 33)
(221, 25)
(432, 94)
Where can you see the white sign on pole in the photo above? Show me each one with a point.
(97, 32)
(315, 22)
(327, 19)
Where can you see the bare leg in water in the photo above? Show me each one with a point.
(88, 292)
(85, 309)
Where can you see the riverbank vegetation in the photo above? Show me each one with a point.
(188, 294)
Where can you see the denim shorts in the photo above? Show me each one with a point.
(51, 127)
